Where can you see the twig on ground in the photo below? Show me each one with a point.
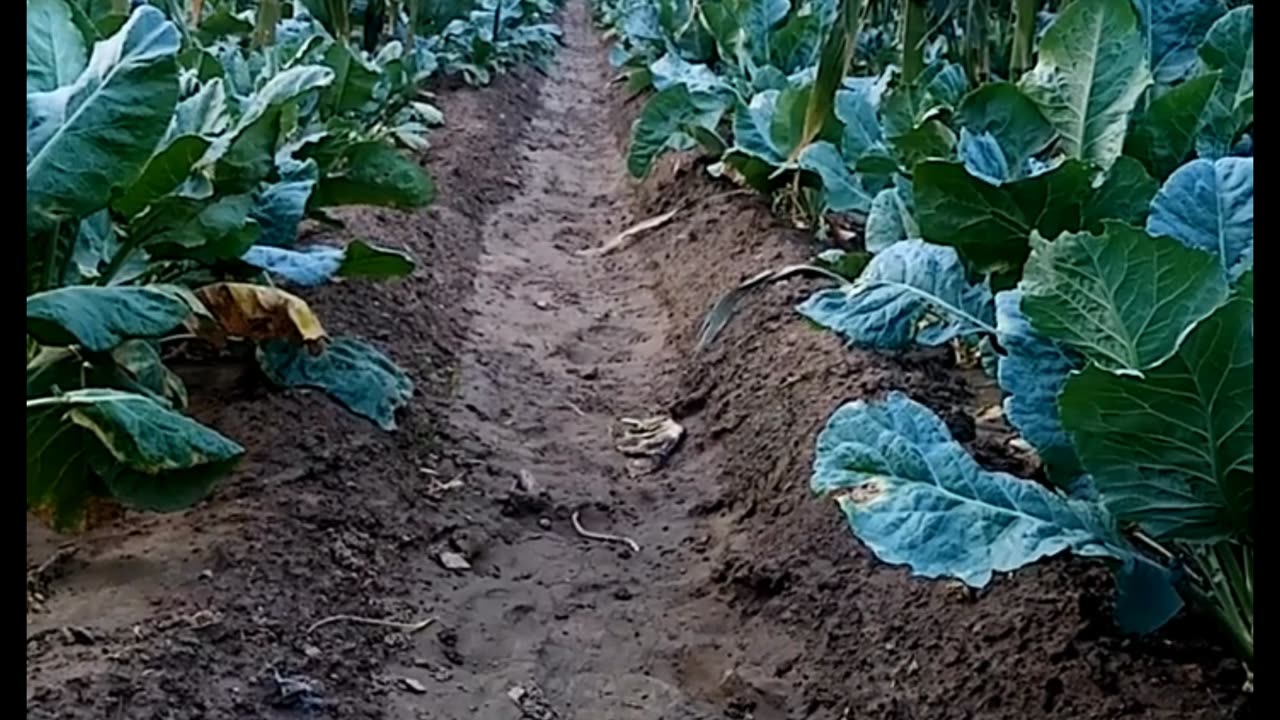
(569, 404)
(577, 526)
(406, 627)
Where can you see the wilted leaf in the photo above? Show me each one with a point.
(912, 292)
(353, 372)
(260, 314)
(87, 138)
(722, 312)
(1091, 71)
(1124, 300)
(914, 496)
(1173, 451)
(1208, 205)
(100, 318)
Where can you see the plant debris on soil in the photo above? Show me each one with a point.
(750, 599)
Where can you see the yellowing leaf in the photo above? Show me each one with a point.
(258, 313)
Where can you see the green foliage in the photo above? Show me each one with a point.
(165, 152)
(1101, 182)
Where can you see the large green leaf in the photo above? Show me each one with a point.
(1228, 48)
(1174, 451)
(1208, 205)
(100, 318)
(990, 225)
(1123, 299)
(196, 121)
(1172, 31)
(87, 138)
(374, 173)
(1162, 137)
(56, 50)
(914, 496)
(355, 80)
(1011, 117)
(661, 123)
(149, 456)
(1092, 69)
(133, 366)
(911, 293)
(351, 371)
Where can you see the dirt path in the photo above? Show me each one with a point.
(561, 347)
(747, 598)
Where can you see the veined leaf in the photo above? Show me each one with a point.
(912, 292)
(1173, 451)
(1124, 300)
(351, 371)
(186, 228)
(1171, 32)
(1091, 71)
(1208, 205)
(1228, 48)
(355, 80)
(87, 138)
(56, 51)
(914, 496)
(100, 318)
(1163, 136)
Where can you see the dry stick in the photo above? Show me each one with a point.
(577, 526)
(406, 627)
(621, 239)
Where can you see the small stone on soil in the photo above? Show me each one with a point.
(454, 561)
(413, 685)
(544, 523)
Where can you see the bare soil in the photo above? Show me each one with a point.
(747, 599)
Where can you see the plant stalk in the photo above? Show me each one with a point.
(1024, 35)
(264, 25)
(49, 276)
(977, 41)
(913, 39)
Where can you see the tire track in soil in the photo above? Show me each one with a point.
(562, 346)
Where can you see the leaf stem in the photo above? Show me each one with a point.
(118, 260)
